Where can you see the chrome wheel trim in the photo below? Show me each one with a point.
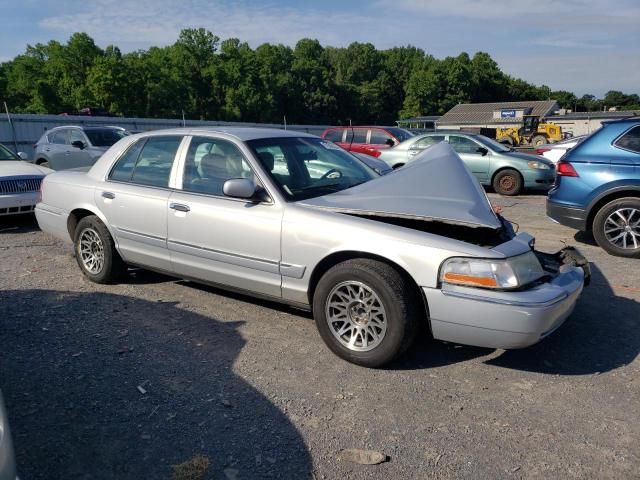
(622, 228)
(91, 250)
(356, 316)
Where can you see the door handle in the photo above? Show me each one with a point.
(109, 195)
(179, 207)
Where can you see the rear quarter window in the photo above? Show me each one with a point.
(630, 140)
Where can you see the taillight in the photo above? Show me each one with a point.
(540, 151)
(565, 169)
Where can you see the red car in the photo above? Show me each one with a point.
(368, 140)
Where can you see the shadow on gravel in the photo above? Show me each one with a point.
(107, 386)
(602, 334)
(12, 224)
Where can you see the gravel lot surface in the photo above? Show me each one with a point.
(125, 381)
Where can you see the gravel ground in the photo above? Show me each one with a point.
(125, 381)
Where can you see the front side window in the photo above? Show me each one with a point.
(77, 136)
(104, 137)
(463, 144)
(630, 140)
(380, 137)
(210, 163)
(309, 167)
(147, 162)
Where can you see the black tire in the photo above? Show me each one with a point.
(508, 182)
(401, 303)
(601, 223)
(539, 140)
(113, 268)
(43, 163)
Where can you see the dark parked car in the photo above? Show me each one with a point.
(62, 148)
(598, 187)
(368, 140)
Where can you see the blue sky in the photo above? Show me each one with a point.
(578, 45)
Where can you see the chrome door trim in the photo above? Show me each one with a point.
(141, 237)
(255, 263)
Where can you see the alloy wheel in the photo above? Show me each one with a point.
(622, 228)
(356, 316)
(91, 251)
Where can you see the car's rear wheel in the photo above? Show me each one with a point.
(96, 253)
(366, 311)
(508, 182)
(616, 227)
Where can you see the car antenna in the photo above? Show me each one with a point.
(13, 130)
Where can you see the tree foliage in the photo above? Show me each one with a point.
(201, 76)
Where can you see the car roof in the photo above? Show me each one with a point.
(241, 133)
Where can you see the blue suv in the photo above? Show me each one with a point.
(597, 187)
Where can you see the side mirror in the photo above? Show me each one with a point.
(22, 155)
(482, 150)
(239, 188)
(78, 144)
(390, 142)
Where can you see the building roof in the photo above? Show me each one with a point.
(482, 113)
(596, 115)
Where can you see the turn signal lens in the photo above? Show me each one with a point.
(565, 169)
(471, 280)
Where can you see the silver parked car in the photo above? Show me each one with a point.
(493, 164)
(62, 148)
(294, 218)
(19, 183)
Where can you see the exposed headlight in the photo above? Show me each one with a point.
(538, 165)
(509, 273)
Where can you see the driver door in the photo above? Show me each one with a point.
(218, 239)
(78, 157)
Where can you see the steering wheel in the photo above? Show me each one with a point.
(332, 171)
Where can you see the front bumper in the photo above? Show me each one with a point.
(17, 203)
(575, 218)
(507, 320)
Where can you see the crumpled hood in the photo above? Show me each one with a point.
(15, 168)
(435, 186)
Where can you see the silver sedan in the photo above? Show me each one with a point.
(296, 219)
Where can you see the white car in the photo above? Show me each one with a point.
(555, 151)
(19, 183)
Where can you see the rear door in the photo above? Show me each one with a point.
(135, 200)
(422, 144)
(471, 155)
(59, 149)
(357, 139)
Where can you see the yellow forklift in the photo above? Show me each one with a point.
(531, 132)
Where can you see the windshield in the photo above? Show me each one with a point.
(492, 144)
(400, 133)
(309, 167)
(105, 137)
(6, 154)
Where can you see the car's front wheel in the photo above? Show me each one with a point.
(616, 227)
(96, 253)
(366, 311)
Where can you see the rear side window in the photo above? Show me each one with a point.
(147, 162)
(630, 140)
(59, 137)
(334, 135)
(428, 141)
